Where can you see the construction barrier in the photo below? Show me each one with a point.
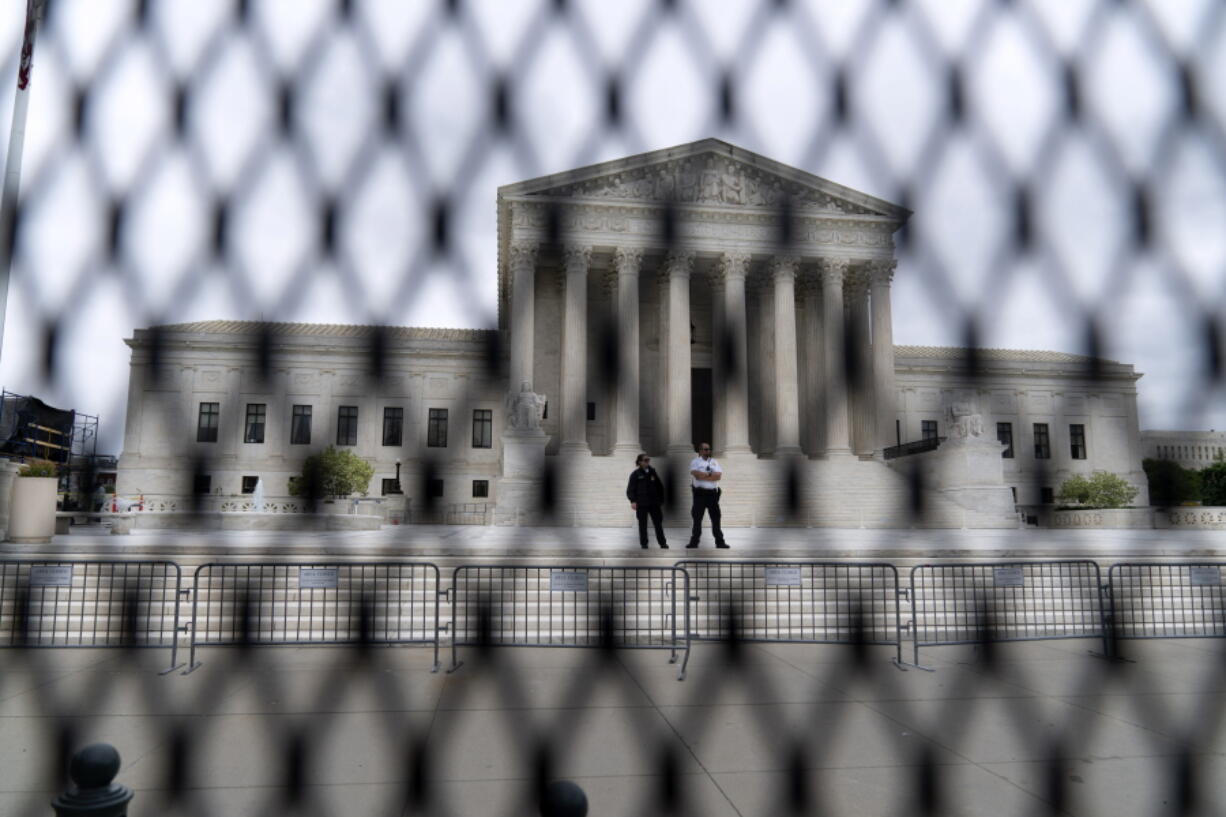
(1166, 600)
(796, 602)
(108, 603)
(1005, 601)
(571, 606)
(278, 603)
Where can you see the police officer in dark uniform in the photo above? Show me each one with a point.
(646, 494)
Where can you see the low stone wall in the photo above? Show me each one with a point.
(1207, 518)
(168, 520)
(1106, 518)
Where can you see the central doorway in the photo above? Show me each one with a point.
(702, 406)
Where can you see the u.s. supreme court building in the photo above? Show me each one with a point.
(700, 292)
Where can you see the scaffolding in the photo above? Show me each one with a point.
(73, 446)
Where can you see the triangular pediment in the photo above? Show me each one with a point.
(706, 173)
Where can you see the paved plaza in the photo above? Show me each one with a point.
(1117, 733)
(863, 731)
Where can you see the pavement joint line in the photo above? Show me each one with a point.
(672, 726)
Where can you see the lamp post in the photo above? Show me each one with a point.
(399, 490)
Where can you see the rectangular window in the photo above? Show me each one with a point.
(253, 429)
(1047, 496)
(249, 484)
(300, 427)
(434, 489)
(928, 429)
(393, 425)
(347, 425)
(591, 411)
(391, 486)
(1004, 434)
(436, 432)
(202, 484)
(206, 427)
(483, 428)
(1077, 441)
(1042, 443)
(481, 488)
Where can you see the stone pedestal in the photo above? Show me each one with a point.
(8, 472)
(33, 517)
(970, 472)
(523, 472)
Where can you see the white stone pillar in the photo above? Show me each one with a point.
(813, 362)
(837, 437)
(787, 389)
(733, 267)
(574, 352)
(863, 411)
(884, 389)
(678, 267)
(522, 263)
(627, 261)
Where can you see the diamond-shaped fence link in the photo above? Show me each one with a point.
(276, 161)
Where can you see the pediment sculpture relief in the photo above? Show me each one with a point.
(710, 180)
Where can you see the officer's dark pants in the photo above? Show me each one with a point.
(706, 500)
(657, 519)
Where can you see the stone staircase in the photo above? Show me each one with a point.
(837, 492)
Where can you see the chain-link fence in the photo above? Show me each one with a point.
(265, 197)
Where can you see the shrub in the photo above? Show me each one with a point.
(1100, 489)
(1213, 484)
(39, 468)
(1171, 484)
(332, 472)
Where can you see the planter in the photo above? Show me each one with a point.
(32, 517)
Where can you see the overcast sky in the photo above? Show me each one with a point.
(1151, 307)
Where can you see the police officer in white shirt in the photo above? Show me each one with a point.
(705, 475)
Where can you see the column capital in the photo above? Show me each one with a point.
(679, 263)
(522, 253)
(833, 270)
(733, 264)
(785, 266)
(578, 257)
(627, 260)
(881, 271)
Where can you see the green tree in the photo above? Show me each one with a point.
(1100, 489)
(332, 472)
(1213, 484)
(1171, 484)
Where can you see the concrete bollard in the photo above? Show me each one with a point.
(92, 792)
(562, 798)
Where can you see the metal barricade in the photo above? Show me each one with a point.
(1005, 601)
(796, 602)
(106, 603)
(279, 603)
(1166, 600)
(571, 606)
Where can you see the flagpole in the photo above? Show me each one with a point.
(12, 165)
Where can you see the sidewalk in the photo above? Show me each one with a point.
(1113, 731)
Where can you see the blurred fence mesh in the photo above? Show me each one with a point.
(258, 158)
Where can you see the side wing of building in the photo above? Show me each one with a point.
(211, 418)
(1058, 414)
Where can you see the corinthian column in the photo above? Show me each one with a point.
(678, 266)
(787, 389)
(863, 410)
(880, 273)
(523, 311)
(732, 269)
(574, 351)
(837, 437)
(627, 262)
